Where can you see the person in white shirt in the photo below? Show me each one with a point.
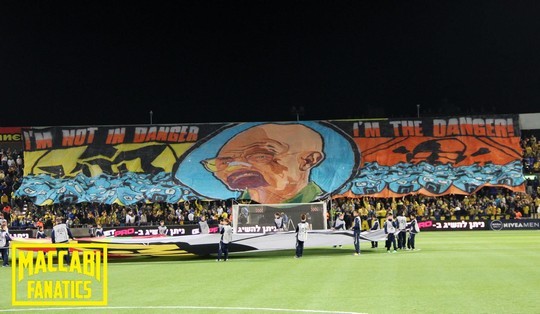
(339, 224)
(5, 238)
(162, 229)
(278, 222)
(203, 225)
(62, 234)
(389, 230)
(402, 226)
(301, 235)
(226, 238)
(130, 218)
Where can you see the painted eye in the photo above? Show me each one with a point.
(260, 158)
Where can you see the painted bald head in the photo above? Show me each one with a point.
(269, 158)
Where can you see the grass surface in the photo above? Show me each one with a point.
(453, 272)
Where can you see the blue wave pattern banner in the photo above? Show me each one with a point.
(406, 178)
(129, 189)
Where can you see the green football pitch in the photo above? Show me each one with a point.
(452, 272)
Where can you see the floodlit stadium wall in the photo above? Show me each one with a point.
(259, 218)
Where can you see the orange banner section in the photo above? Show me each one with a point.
(460, 151)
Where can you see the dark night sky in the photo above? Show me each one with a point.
(111, 62)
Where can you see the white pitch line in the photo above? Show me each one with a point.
(179, 307)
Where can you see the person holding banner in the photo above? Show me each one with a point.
(414, 229)
(4, 244)
(357, 228)
(278, 221)
(402, 227)
(339, 224)
(203, 225)
(61, 234)
(40, 233)
(99, 231)
(162, 229)
(226, 238)
(389, 230)
(374, 226)
(301, 235)
(2, 220)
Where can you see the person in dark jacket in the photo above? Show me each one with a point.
(357, 228)
(375, 225)
(413, 230)
(40, 233)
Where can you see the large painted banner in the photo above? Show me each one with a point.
(271, 162)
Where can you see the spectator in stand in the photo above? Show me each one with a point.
(130, 218)
(4, 198)
(19, 163)
(103, 219)
(38, 223)
(7, 211)
(143, 221)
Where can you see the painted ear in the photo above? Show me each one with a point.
(311, 160)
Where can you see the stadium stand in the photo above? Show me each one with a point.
(487, 203)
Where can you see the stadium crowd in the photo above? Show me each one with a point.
(531, 154)
(487, 203)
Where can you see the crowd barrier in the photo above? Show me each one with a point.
(464, 225)
(181, 230)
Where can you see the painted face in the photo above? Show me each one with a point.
(276, 156)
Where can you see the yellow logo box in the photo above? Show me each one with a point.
(59, 274)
